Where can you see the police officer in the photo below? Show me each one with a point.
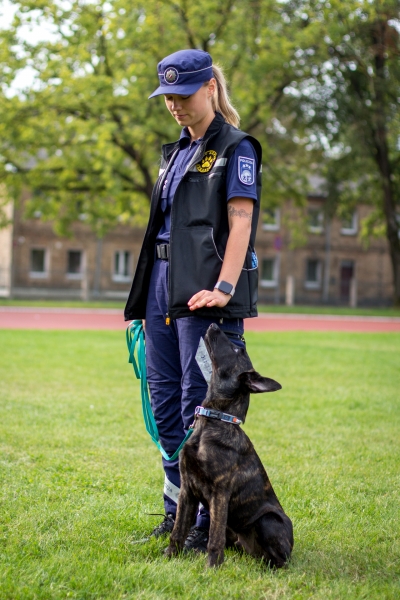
(197, 264)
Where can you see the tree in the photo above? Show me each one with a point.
(349, 102)
(82, 134)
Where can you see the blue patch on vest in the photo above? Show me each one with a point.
(246, 167)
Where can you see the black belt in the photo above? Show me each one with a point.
(162, 251)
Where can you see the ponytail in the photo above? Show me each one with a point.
(220, 99)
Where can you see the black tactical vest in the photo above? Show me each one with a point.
(199, 231)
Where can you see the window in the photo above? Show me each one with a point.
(38, 263)
(269, 272)
(122, 264)
(313, 273)
(315, 220)
(271, 219)
(74, 264)
(349, 224)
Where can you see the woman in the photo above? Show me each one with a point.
(197, 264)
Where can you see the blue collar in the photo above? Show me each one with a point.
(216, 414)
(185, 140)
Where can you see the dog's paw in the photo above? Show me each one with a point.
(170, 551)
(239, 546)
(215, 559)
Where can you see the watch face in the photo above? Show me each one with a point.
(225, 287)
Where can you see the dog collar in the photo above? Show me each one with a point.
(216, 414)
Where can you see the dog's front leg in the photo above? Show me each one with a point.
(185, 517)
(218, 521)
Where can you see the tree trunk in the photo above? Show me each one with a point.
(389, 203)
(392, 234)
(382, 158)
(97, 272)
(327, 269)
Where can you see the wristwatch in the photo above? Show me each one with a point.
(225, 287)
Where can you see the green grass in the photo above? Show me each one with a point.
(79, 473)
(270, 308)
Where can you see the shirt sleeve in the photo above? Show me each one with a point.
(242, 169)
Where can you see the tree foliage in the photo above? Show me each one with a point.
(349, 103)
(84, 137)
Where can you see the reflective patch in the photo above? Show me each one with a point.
(246, 170)
(171, 490)
(160, 172)
(207, 161)
(220, 162)
(204, 361)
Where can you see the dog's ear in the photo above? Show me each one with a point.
(256, 383)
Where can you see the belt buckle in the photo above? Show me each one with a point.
(163, 251)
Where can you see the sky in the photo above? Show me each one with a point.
(6, 13)
(30, 33)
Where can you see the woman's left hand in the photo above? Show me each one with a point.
(208, 299)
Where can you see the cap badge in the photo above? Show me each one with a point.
(171, 75)
(207, 161)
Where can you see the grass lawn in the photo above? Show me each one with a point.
(79, 473)
(270, 308)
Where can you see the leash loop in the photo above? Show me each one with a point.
(135, 340)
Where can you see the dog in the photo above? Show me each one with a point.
(220, 468)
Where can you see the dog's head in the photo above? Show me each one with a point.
(233, 375)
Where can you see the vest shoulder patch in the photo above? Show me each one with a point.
(246, 170)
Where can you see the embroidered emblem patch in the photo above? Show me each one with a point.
(171, 75)
(207, 161)
(246, 168)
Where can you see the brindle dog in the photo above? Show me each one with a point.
(220, 468)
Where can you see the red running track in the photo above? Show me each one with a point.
(86, 318)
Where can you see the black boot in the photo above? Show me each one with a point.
(197, 540)
(165, 527)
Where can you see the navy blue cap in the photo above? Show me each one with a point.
(183, 72)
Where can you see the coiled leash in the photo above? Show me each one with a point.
(135, 342)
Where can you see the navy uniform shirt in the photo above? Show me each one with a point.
(237, 185)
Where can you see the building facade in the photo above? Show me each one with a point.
(330, 266)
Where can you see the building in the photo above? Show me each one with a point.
(6, 245)
(330, 267)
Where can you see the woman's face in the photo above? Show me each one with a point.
(190, 111)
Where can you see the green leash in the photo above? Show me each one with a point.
(135, 341)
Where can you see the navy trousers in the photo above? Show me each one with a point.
(175, 380)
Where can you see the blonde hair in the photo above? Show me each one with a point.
(220, 99)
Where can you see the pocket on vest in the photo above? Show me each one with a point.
(195, 264)
(246, 289)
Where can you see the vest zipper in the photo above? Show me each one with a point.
(194, 161)
(165, 175)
